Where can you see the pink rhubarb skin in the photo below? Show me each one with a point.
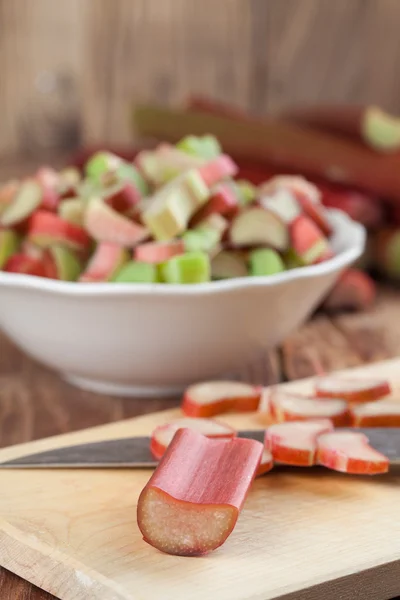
(350, 452)
(192, 502)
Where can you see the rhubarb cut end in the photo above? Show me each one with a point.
(349, 452)
(182, 528)
(380, 130)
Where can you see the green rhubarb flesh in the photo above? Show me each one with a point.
(380, 130)
(192, 267)
(265, 261)
(72, 210)
(246, 192)
(137, 272)
(228, 265)
(206, 146)
(128, 173)
(100, 164)
(68, 266)
(9, 243)
(292, 260)
(25, 202)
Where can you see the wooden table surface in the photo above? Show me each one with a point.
(35, 403)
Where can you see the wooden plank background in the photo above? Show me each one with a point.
(69, 69)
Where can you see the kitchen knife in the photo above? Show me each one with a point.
(134, 452)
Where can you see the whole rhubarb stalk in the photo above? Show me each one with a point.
(192, 501)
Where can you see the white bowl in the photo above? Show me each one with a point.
(145, 339)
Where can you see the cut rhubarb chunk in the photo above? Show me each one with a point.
(207, 235)
(171, 208)
(294, 407)
(100, 164)
(9, 243)
(354, 290)
(68, 182)
(193, 499)
(49, 181)
(72, 210)
(26, 265)
(264, 262)
(266, 463)
(316, 212)
(296, 443)
(224, 200)
(294, 183)
(137, 272)
(46, 229)
(165, 163)
(350, 452)
(105, 263)
(26, 200)
(215, 397)
(376, 414)
(68, 266)
(163, 435)
(352, 390)
(259, 227)
(229, 264)
(106, 225)
(217, 169)
(205, 146)
(308, 241)
(159, 252)
(282, 203)
(192, 267)
(122, 197)
(7, 192)
(381, 130)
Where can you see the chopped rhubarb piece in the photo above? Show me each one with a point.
(105, 263)
(354, 290)
(106, 225)
(283, 203)
(25, 201)
(264, 262)
(217, 169)
(259, 227)
(205, 146)
(7, 192)
(352, 390)
(137, 272)
(122, 197)
(46, 229)
(72, 210)
(166, 162)
(191, 267)
(100, 164)
(316, 212)
(287, 406)
(68, 182)
(9, 242)
(193, 499)
(376, 414)
(163, 435)
(308, 241)
(247, 192)
(296, 443)
(266, 463)
(224, 200)
(67, 264)
(26, 265)
(159, 252)
(228, 264)
(207, 235)
(49, 181)
(350, 452)
(171, 208)
(299, 186)
(264, 413)
(215, 397)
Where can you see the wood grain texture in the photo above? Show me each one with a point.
(76, 534)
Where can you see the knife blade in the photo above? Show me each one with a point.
(134, 452)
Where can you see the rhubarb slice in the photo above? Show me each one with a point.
(207, 235)
(205, 146)
(224, 200)
(350, 452)
(105, 263)
(296, 443)
(192, 267)
(165, 163)
(106, 225)
(294, 407)
(72, 210)
(376, 414)
(68, 266)
(217, 169)
(9, 243)
(163, 435)
(259, 227)
(49, 181)
(47, 229)
(264, 262)
(122, 197)
(296, 184)
(26, 200)
(159, 252)
(352, 390)
(354, 290)
(27, 265)
(69, 180)
(282, 203)
(215, 397)
(308, 241)
(137, 272)
(193, 499)
(228, 264)
(100, 164)
(266, 463)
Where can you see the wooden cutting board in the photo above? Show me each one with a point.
(303, 534)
